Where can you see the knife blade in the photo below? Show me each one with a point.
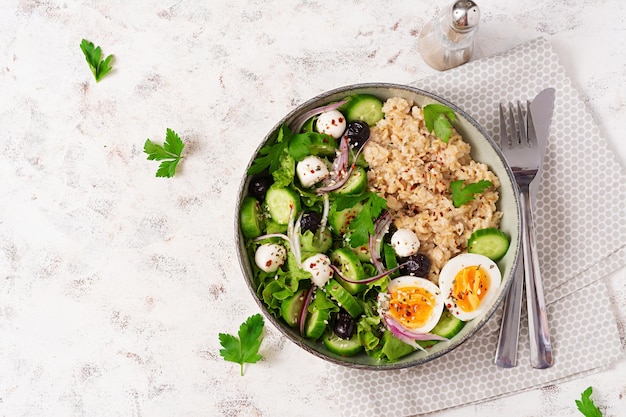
(539, 120)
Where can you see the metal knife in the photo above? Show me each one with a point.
(539, 118)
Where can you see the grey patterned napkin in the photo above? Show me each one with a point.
(581, 238)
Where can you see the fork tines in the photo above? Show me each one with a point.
(516, 128)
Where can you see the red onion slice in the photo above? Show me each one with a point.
(340, 171)
(362, 281)
(397, 329)
(305, 310)
(380, 229)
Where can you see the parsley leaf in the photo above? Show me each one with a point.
(269, 155)
(462, 195)
(244, 349)
(93, 55)
(362, 226)
(586, 406)
(439, 118)
(169, 153)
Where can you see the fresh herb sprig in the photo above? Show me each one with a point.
(244, 349)
(464, 194)
(362, 226)
(439, 118)
(169, 153)
(586, 405)
(296, 145)
(93, 55)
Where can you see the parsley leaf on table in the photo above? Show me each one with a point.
(439, 118)
(93, 55)
(464, 194)
(246, 348)
(169, 153)
(362, 226)
(586, 406)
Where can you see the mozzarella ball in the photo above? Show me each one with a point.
(332, 123)
(311, 170)
(319, 267)
(270, 256)
(405, 242)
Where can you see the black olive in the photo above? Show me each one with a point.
(357, 132)
(258, 186)
(311, 220)
(417, 265)
(390, 232)
(344, 325)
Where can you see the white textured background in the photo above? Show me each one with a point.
(113, 283)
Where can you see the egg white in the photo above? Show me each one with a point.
(449, 272)
(417, 282)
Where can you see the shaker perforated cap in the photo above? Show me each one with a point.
(465, 15)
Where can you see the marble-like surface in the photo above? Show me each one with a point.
(114, 283)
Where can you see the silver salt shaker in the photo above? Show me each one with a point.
(448, 40)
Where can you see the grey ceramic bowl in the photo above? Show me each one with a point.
(483, 150)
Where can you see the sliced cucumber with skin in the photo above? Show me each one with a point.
(280, 202)
(291, 307)
(448, 326)
(251, 217)
(343, 298)
(343, 347)
(309, 125)
(356, 184)
(339, 220)
(364, 107)
(350, 267)
(323, 145)
(363, 253)
(316, 323)
(491, 242)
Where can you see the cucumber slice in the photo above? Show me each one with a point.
(272, 227)
(323, 145)
(343, 298)
(309, 125)
(491, 242)
(251, 218)
(448, 326)
(356, 184)
(339, 220)
(291, 307)
(364, 107)
(316, 323)
(280, 202)
(363, 253)
(343, 347)
(350, 266)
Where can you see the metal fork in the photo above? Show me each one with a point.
(522, 152)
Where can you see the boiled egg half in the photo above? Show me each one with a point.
(469, 283)
(414, 303)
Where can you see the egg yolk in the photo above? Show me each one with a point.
(411, 306)
(469, 287)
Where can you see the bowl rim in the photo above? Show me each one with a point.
(240, 241)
